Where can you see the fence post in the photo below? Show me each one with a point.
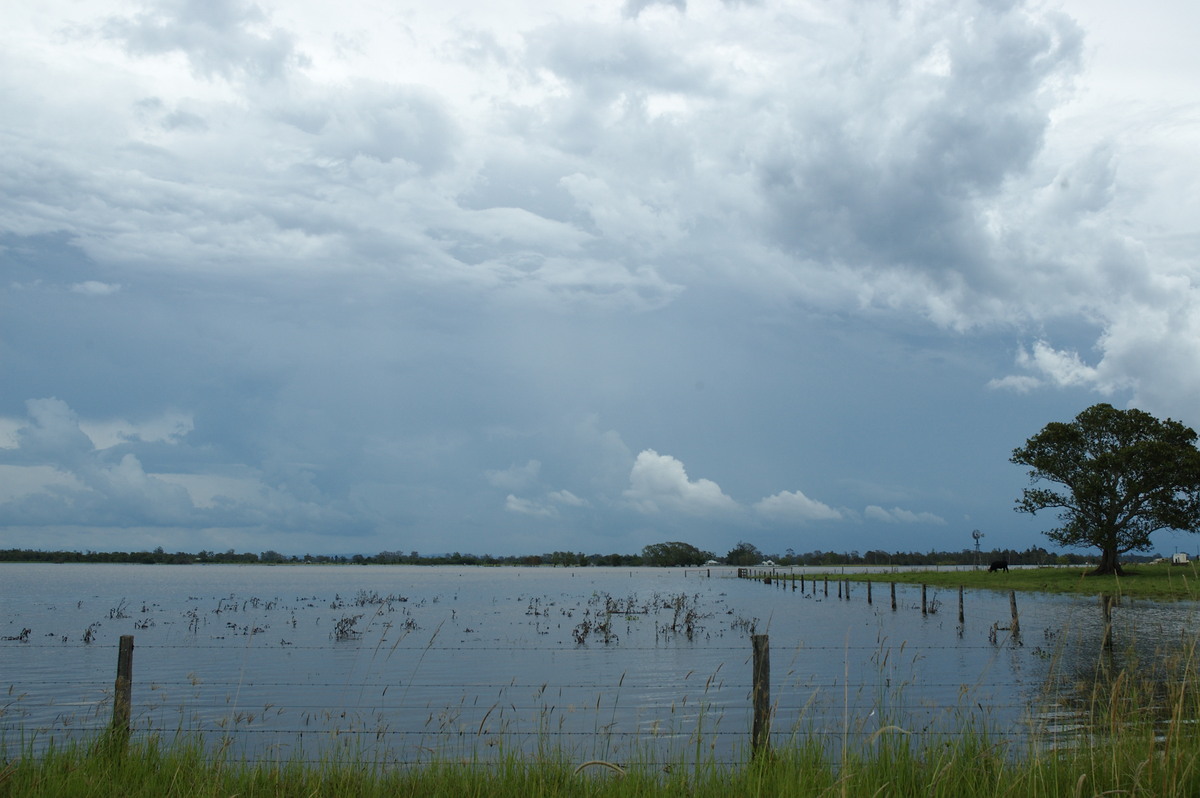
(960, 605)
(924, 604)
(760, 735)
(1016, 620)
(869, 592)
(893, 596)
(1106, 603)
(123, 689)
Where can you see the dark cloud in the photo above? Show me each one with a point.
(582, 280)
(926, 131)
(220, 38)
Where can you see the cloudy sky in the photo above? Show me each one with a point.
(528, 275)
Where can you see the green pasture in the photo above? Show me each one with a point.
(1162, 582)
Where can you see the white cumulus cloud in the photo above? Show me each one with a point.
(516, 476)
(95, 288)
(897, 515)
(795, 506)
(660, 482)
(567, 498)
(515, 504)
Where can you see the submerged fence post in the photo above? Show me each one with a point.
(893, 596)
(760, 734)
(1106, 602)
(123, 690)
(1016, 620)
(960, 605)
(924, 604)
(868, 592)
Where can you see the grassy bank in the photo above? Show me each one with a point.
(1162, 582)
(1132, 763)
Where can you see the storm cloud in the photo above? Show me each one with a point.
(585, 278)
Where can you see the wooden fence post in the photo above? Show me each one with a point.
(893, 596)
(1016, 620)
(924, 604)
(868, 592)
(960, 605)
(1106, 603)
(123, 689)
(760, 735)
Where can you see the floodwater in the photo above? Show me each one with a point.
(404, 663)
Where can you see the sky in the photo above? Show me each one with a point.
(531, 276)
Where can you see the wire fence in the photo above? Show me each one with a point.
(424, 716)
(616, 667)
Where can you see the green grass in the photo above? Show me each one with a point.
(1136, 762)
(1161, 582)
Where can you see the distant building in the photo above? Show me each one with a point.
(1179, 558)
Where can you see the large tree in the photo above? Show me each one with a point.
(744, 554)
(674, 553)
(1124, 475)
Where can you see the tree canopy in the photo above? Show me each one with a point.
(674, 553)
(1125, 475)
(744, 554)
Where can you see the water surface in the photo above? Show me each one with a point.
(407, 662)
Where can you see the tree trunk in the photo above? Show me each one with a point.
(1109, 564)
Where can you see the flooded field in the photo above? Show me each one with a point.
(406, 663)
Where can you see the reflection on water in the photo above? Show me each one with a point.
(410, 662)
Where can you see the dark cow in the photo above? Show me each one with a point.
(998, 565)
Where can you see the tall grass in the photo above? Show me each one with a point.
(963, 766)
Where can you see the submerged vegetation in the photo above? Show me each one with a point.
(1105, 722)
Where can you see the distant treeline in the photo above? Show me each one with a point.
(742, 554)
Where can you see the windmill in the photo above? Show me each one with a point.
(977, 535)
